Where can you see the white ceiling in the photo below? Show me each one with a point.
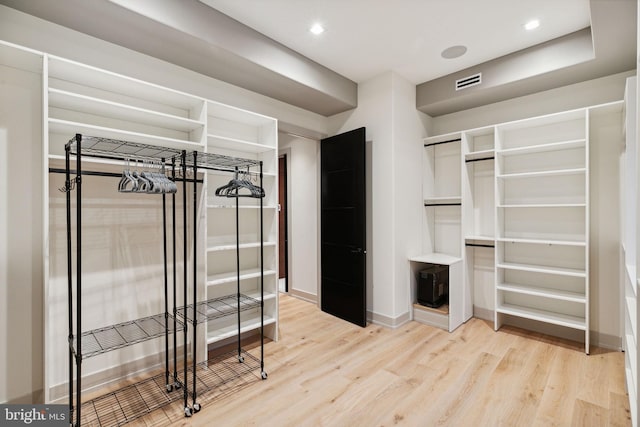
(364, 38)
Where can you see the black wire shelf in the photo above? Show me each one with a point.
(95, 146)
(102, 340)
(219, 307)
(129, 403)
(216, 377)
(226, 370)
(219, 162)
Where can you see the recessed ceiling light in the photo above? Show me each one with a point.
(532, 25)
(454, 52)
(317, 29)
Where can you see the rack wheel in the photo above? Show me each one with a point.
(188, 411)
(196, 407)
(169, 388)
(264, 375)
(178, 386)
(241, 359)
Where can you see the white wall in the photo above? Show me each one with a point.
(303, 162)
(408, 131)
(605, 152)
(584, 94)
(21, 223)
(386, 107)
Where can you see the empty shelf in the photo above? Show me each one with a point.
(543, 292)
(543, 316)
(543, 269)
(555, 146)
(219, 307)
(542, 241)
(436, 258)
(218, 279)
(555, 172)
(443, 201)
(124, 334)
(229, 328)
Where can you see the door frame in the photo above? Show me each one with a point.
(286, 153)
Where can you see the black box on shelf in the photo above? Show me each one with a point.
(433, 286)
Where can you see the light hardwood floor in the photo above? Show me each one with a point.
(327, 372)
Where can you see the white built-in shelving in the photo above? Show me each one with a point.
(443, 240)
(542, 221)
(97, 102)
(83, 99)
(630, 256)
(239, 133)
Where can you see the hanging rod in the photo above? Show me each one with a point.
(476, 245)
(480, 159)
(106, 174)
(443, 204)
(443, 142)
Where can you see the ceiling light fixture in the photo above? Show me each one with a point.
(317, 29)
(532, 25)
(454, 52)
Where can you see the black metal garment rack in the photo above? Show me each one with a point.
(203, 374)
(135, 400)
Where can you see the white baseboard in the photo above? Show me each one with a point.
(389, 322)
(305, 296)
(59, 393)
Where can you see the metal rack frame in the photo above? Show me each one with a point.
(131, 401)
(91, 343)
(201, 312)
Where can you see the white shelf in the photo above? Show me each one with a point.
(633, 403)
(632, 312)
(87, 104)
(218, 279)
(542, 241)
(543, 316)
(543, 205)
(543, 292)
(555, 146)
(631, 276)
(631, 350)
(212, 206)
(234, 114)
(482, 239)
(542, 269)
(71, 128)
(482, 154)
(557, 172)
(436, 258)
(93, 77)
(20, 57)
(229, 328)
(237, 144)
(444, 200)
(212, 246)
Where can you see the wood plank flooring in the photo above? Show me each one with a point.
(327, 372)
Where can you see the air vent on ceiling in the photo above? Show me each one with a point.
(466, 82)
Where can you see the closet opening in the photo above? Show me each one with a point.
(283, 225)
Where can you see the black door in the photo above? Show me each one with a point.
(343, 234)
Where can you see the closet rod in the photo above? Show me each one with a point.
(476, 245)
(443, 204)
(107, 174)
(479, 160)
(443, 142)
